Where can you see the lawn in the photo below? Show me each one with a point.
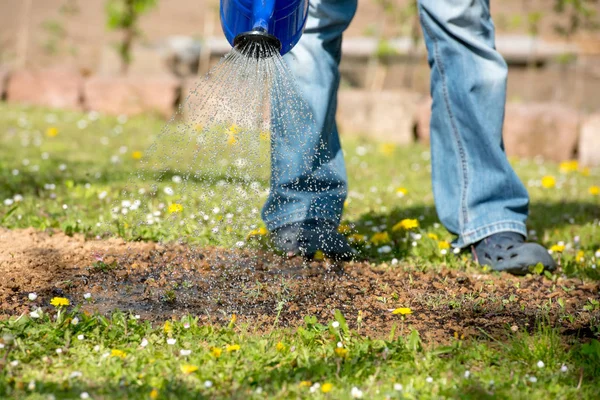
(193, 305)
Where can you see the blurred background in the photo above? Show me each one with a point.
(143, 56)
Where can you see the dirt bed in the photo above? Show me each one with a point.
(166, 281)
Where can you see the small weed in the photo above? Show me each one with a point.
(101, 266)
(169, 296)
(592, 305)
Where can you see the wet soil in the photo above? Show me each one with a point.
(160, 282)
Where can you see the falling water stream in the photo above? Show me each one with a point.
(206, 176)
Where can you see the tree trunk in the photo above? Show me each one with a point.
(129, 35)
(23, 44)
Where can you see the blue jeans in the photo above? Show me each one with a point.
(476, 191)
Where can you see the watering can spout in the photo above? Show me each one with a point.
(276, 23)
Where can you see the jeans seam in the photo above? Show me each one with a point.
(482, 228)
(464, 214)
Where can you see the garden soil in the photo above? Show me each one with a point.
(160, 282)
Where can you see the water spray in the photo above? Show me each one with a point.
(206, 176)
(263, 28)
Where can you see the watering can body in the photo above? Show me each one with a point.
(283, 19)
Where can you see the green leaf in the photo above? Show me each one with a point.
(537, 269)
(310, 320)
(392, 332)
(9, 213)
(443, 350)
(414, 341)
(340, 318)
(591, 350)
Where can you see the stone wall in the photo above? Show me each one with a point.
(549, 130)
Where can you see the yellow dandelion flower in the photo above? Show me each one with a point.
(357, 238)
(231, 140)
(234, 129)
(344, 229)
(154, 394)
(380, 238)
(175, 208)
(548, 182)
(305, 384)
(594, 190)
(136, 155)
(557, 248)
(52, 131)
(265, 135)
(117, 353)
(443, 245)
(401, 191)
(569, 166)
(280, 346)
(319, 256)
(341, 352)
(585, 171)
(432, 236)
(232, 321)
(402, 311)
(580, 257)
(387, 149)
(59, 302)
(232, 347)
(257, 233)
(326, 388)
(188, 369)
(168, 327)
(406, 224)
(216, 352)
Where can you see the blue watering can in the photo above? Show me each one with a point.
(279, 23)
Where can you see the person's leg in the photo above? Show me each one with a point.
(308, 181)
(476, 191)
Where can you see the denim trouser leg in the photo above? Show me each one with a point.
(476, 190)
(308, 176)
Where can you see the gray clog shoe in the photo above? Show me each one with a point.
(508, 251)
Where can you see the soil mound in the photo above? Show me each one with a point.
(160, 282)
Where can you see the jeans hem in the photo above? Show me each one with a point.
(297, 216)
(473, 236)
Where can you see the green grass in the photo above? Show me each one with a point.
(126, 358)
(71, 181)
